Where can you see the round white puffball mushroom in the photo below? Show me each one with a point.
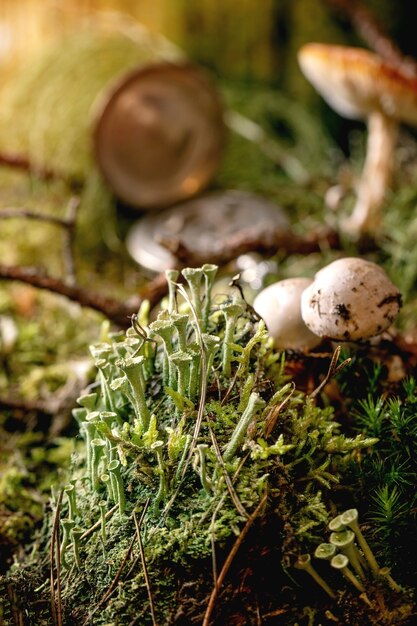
(350, 299)
(280, 307)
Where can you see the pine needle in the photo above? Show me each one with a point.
(142, 556)
(229, 560)
(332, 371)
(55, 557)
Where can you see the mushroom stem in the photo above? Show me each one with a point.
(376, 175)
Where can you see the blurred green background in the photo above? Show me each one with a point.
(238, 40)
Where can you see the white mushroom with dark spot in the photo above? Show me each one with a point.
(350, 300)
(280, 306)
(358, 84)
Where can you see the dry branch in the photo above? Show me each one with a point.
(115, 310)
(373, 33)
(248, 241)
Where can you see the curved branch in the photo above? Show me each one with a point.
(373, 33)
(115, 310)
(23, 163)
(248, 241)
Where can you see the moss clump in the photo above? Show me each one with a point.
(191, 424)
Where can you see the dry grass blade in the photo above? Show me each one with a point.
(272, 417)
(18, 213)
(230, 388)
(229, 560)
(69, 234)
(239, 506)
(56, 604)
(97, 525)
(332, 371)
(144, 566)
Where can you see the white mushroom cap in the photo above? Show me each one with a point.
(279, 305)
(350, 299)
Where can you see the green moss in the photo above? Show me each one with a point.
(295, 464)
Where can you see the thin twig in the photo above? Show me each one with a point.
(274, 413)
(69, 234)
(68, 223)
(56, 607)
(251, 241)
(17, 213)
(229, 560)
(97, 525)
(115, 310)
(373, 34)
(332, 371)
(120, 312)
(143, 559)
(23, 163)
(28, 406)
(16, 612)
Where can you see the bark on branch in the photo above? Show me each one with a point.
(248, 241)
(115, 310)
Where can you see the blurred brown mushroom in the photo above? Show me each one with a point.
(159, 134)
(360, 85)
